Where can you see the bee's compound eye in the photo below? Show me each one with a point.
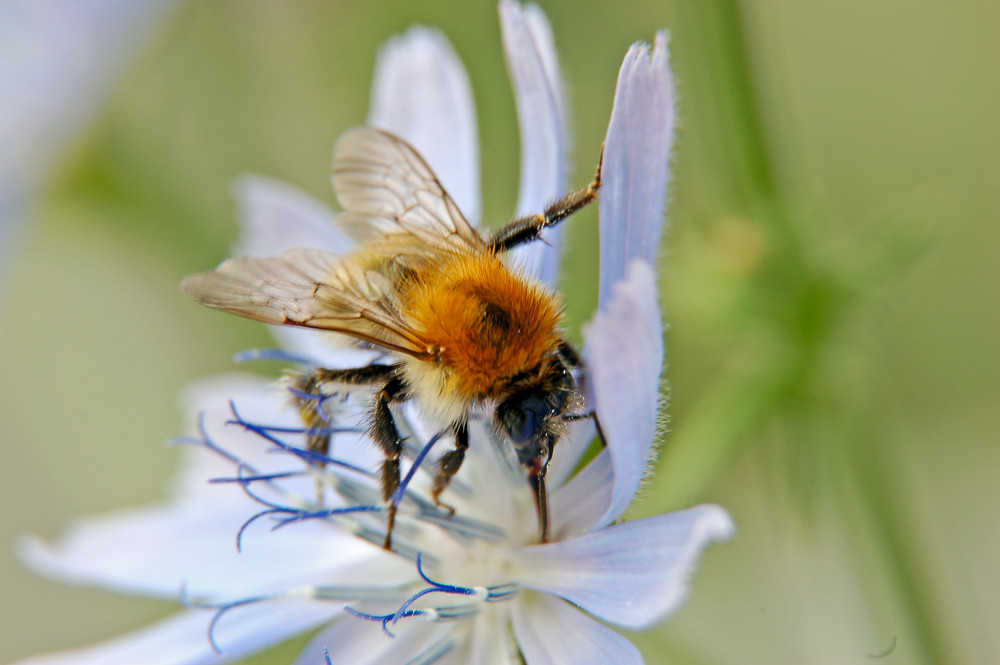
(522, 417)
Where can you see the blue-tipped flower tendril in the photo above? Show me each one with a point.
(398, 495)
(223, 608)
(251, 355)
(311, 456)
(488, 594)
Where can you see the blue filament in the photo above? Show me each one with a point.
(493, 594)
(398, 495)
(271, 354)
(302, 453)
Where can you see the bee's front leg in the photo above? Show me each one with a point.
(450, 463)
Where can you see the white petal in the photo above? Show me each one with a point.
(624, 353)
(489, 643)
(541, 114)
(183, 638)
(165, 551)
(422, 94)
(552, 632)
(636, 162)
(361, 642)
(274, 217)
(572, 447)
(576, 505)
(190, 542)
(630, 574)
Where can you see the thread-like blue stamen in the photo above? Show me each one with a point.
(311, 430)
(302, 453)
(319, 399)
(398, 495)
(302, 515)
(296, 514)
(382, 618)
(265, 477)
(446, 613)
(222, 608)
(272, 354)
(326, 656)
(207, 442)
(436, 587)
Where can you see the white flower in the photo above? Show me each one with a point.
(469, 588)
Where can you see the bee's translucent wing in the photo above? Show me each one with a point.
(311, 288)
(387, 188)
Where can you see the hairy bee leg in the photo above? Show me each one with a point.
(310, 385)
(525, 229)
(449, 464)
(574, 417)
(386, 435)
(536, 476)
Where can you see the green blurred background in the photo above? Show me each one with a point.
(830, 280)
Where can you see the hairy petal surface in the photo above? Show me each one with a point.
(624, 352)
(422, 94)
(636, 163)
(630, 574)
(552, 632)
(183, 638)
(541, 115)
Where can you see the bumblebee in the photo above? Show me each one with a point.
(466, 331)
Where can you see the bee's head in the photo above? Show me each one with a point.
(532, 415)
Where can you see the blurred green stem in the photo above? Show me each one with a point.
(905, 562)
(803, 304)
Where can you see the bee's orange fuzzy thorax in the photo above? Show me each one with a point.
(489, 323)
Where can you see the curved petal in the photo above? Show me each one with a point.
(422, 94)
(488, 643)
(636, 163)
(541, 115)
(552, 632)
(190, 542)
(624, 353)
(274, 217)
(183, 638)
(573, 445)
(586, 496)
(167, 551)
(630, 574)
(361, 642)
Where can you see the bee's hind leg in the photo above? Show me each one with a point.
(386, 435)
(309, 396)
(449, 464)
